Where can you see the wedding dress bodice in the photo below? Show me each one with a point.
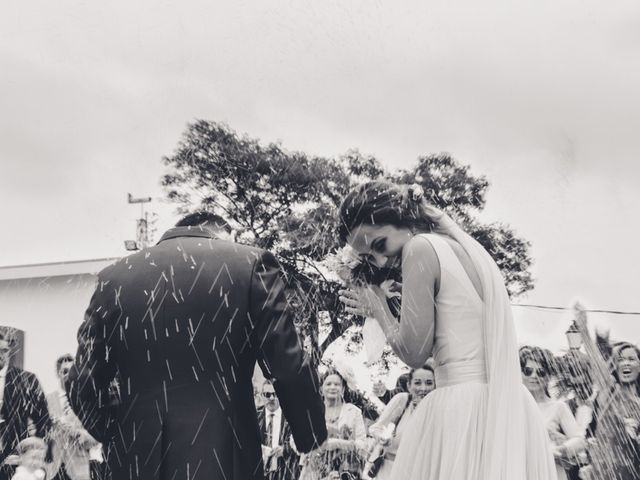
(458, 349)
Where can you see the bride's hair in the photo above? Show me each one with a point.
(384, 203)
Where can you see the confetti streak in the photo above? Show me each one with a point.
(234, 433)
(196, 329)
(217, 395)
(166, 400)
(214, 281)
(155, 444)
(235, 360)
(200, 427)
(219, 464)
(164, 455)
(195, 472)
(228, 273)
(128, 412)
(213, 319)
(228, 330)
(159, 414)
(195, 352)
(196, 279)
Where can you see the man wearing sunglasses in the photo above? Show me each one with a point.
(280, 460)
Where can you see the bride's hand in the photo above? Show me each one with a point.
(441, 220)
(363, 301)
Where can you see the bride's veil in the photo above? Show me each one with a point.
(516, 442)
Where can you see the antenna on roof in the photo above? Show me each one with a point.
(142, 225)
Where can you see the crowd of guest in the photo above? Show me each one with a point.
(591, 403)
(40, 436)
(589, 398)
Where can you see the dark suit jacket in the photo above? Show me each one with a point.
(23, 400)
(182, 324)
(288, 463)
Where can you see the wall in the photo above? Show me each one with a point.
(49, 311)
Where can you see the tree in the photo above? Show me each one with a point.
(287, 202)
(452, 188)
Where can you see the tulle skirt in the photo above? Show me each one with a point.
(446, 436)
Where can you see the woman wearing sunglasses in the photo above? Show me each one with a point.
(537, 366)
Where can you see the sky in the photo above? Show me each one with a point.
(541, 97)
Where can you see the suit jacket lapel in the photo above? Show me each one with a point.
(8, 399)
(262, 423)
(8, 427)
(282, 427)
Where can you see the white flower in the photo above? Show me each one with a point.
(342, 263)
(417, 192)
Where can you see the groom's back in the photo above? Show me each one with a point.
(185, 305)
(181, 324)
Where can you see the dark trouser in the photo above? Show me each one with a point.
(6, 472)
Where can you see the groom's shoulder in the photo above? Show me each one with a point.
(230, 253)
(238, 252)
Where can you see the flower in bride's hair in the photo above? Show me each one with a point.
(417, 192)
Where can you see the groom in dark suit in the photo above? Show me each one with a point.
(181, 325)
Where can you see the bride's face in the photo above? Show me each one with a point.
(383, 244)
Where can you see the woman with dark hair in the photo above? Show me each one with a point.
(480, 423)
(615, 451)
(421, 382)
(342, 454)
(538, 366)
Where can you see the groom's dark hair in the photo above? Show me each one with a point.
(202, 217)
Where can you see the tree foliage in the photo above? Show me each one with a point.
(287, 202)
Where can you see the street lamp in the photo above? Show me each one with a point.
(574, 336)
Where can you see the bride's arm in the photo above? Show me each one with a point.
(412, 338)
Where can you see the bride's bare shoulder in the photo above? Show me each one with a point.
(419, 251)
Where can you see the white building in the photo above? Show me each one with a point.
(47, 302)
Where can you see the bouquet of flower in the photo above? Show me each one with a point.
(355, 271)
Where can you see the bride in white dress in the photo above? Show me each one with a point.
(480, 423)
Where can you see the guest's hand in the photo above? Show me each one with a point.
(333, 431)
(336, 444)
(277, 452)
(581, 317)
(586, 473)
(319, 449)
(559, 452)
